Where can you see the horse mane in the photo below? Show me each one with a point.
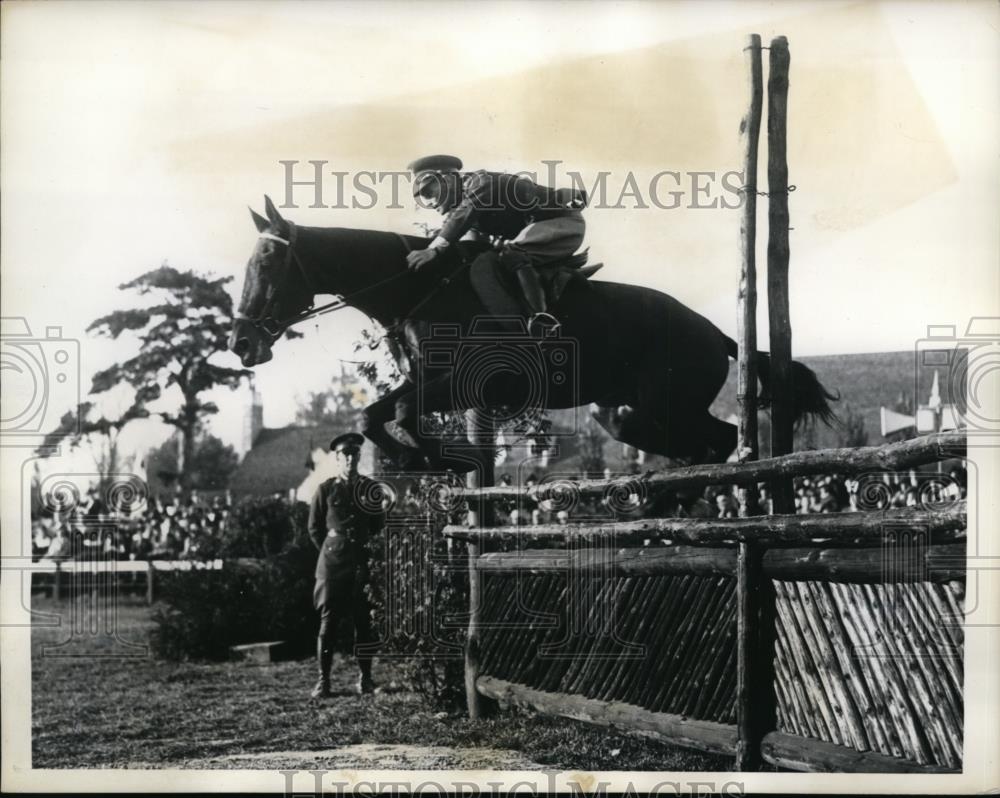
(353, 242)
(355, 259)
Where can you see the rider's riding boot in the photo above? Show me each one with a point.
(324, 656)
(540, 322)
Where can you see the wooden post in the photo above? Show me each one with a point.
(751, 692)
(149, 582)
(764, 710)
(746, 314)
(481, 433)
(777, 266)
(749, 567)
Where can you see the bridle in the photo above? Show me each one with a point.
(274, 328)
(265, 320)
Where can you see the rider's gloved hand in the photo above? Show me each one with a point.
(418, 258)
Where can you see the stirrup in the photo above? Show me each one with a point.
(549, 324)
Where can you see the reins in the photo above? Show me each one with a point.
(274, 328)
(436, 290)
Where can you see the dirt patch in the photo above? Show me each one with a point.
(136, 711)
(372, 756)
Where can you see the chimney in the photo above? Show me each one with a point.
(253, 419)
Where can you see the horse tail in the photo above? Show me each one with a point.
(732, 348)
(809, 397)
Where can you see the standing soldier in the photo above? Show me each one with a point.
(341, 521)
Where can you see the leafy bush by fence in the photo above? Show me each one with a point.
(420, 606)
(263, 592)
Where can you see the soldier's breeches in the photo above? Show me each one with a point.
(489, 278)
(551, 239)
(354, 608)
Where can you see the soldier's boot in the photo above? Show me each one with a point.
(324, 656)
(366, 685)
(541, 323)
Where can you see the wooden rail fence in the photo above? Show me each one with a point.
(632, 623)
(812, 642)
(63, 571)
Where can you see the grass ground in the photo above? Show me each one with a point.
(98, 710)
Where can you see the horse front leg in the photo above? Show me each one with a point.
(373, 426)
(437, 396)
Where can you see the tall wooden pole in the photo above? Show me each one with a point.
(758, 612)
(749, 572)
(481, 432)
(782, 419)
(746, 314)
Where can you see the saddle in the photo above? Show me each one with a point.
(558, 274)
(555, 275)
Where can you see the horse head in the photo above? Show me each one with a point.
(274, 293)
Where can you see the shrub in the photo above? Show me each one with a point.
(269, 597)
(419, 606)
(263, 527)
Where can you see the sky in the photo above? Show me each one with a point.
(138, 133)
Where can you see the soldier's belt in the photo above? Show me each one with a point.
(349, 537)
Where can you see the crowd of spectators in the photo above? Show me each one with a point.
(831, 493)
(192, 527)
(834, 493)
(188, 527)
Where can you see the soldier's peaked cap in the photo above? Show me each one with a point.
(347, 439)
(435, 163)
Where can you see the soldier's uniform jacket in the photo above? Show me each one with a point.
(337, 508)
(499, 204)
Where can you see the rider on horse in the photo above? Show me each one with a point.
(531, 225)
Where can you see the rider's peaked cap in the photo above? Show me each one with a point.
(347, 439)
(435, 163)
(426, 168)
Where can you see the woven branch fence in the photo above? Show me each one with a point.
(822, 643)
(863, 636)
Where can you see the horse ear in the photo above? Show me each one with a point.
(272, 213)
(258, 220)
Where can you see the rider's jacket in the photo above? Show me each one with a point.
(502, 205)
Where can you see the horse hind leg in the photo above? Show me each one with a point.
(633, 426)
(697, 437)
(610, 418)
(721, 439)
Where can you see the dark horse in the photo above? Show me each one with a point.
(649, 366)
